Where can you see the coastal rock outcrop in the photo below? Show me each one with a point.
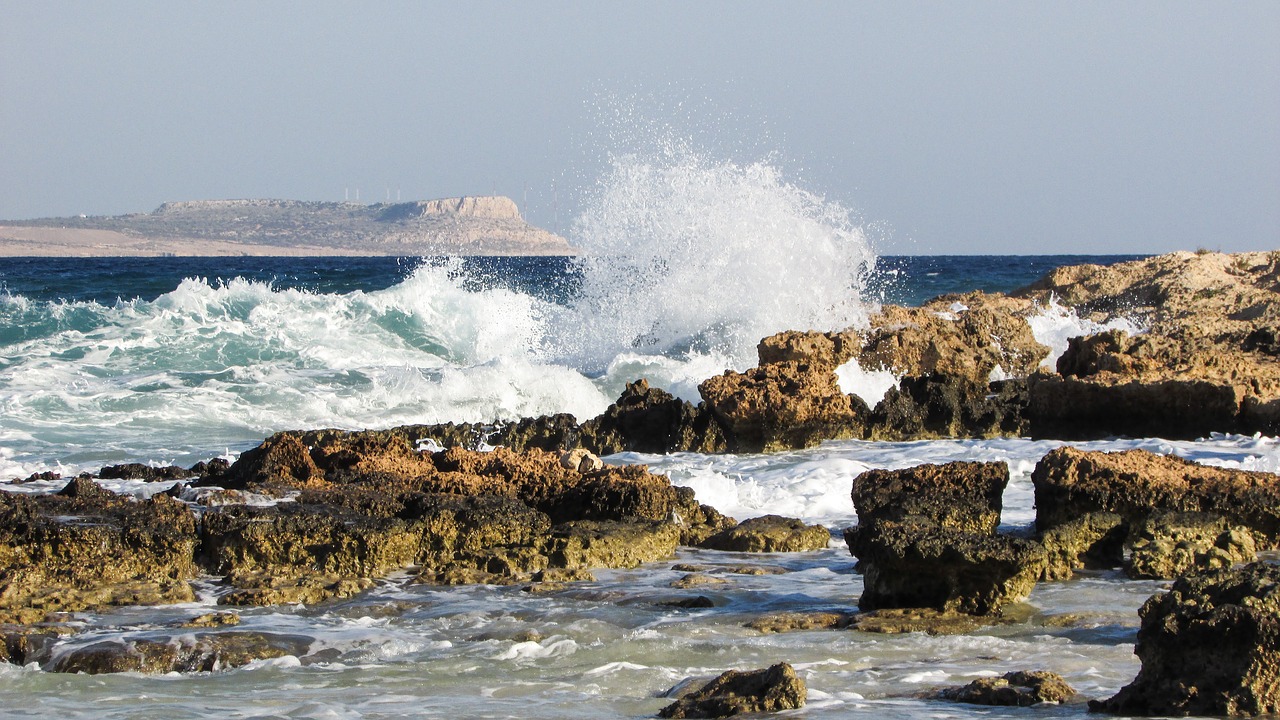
(1209, 646)
(87, 547)
(1172, 514)
(1017, 689)
(964, 496)
(650, 420)
(736, 692)
(1202, 362)
(926, 538)
(782, 405)
(919, 566)
(769, 533)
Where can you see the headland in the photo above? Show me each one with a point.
(484, 225)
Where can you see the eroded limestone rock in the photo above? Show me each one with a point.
(736, 692)
(1209, 646)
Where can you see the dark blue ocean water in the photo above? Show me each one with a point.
(908, 280)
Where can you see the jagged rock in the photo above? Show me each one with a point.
(1109, 405)
(1094, 540)
(920, 566)
(1173, 544)
(287, 586)
(206, 652)
(965, 496)
(693, 580)
(794, 621)
(770, 533)
(1209, 646)
(146, 473)
(942, 406)
(970, 337)
(1018, 689)
(782, 406)
(603, 544)
(650, 420)
(213, 620)
(25, 645)
(1136, 484)
(735, 692)
(581, 460)
(88, 547)
(1202, 364)
(827, 350)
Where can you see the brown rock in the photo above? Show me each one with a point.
(88, 547)
(206, 652)
(782, 406)
(1209, 646)
(937, 340)
(826, 350)
(1173, 544)
(770, 533)
(736, 692)
(1135, 484)
(650, 420)
(964, 496)
(914, 566)
(794, 621)
(1018, 689)
(894, 621)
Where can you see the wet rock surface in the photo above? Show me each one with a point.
(737, 692)
(917, 566)
(1018, 689)
(964, 496)
(87, 547)
(1171, 515)
(1209, 646)
(769, 533)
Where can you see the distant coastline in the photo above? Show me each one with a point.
(485, 225)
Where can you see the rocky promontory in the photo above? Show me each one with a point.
(481, 225)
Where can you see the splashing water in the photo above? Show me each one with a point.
(689, 255)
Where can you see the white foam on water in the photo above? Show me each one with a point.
(869, 385)
(1056, 324)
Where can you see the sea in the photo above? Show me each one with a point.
(685, 266)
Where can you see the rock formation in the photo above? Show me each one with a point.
(926, 538)
(1017, 689)
(1173, 515)
(1209, 646)
(736, 692)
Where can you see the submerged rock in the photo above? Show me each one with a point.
(736, 692)
(1017, 689)
(1209, 646)
(200, 652)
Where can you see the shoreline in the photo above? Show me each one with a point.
(47, 242)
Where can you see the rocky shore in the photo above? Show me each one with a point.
(310, 516)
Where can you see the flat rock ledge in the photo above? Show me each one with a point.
(357, 506)
(1158, 516)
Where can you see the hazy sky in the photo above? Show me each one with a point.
(951, 127)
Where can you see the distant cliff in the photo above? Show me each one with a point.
(485, 225)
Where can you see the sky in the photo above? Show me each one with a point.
(946, 127)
